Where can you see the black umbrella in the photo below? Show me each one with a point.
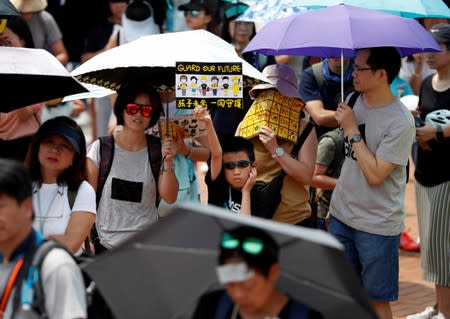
(162, 271)
(29, 76)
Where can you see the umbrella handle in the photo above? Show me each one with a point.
(342, 75)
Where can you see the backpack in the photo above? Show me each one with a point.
(72, 195)
(107, 155)
(35, 297)
(297, 310)
(318, 74)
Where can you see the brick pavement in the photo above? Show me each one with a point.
(415, 293)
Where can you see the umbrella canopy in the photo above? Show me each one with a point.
(309, 33)
(161, 272)
(94, 91)
(264, 11)
(404, 8)
(7, 9)
(152, 59)
(29, 76)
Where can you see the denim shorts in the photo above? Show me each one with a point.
(374, 258)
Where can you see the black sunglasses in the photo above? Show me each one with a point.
(240, 164)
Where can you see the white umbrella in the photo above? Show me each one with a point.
(152, 59)
(94, 91)
(29, 76)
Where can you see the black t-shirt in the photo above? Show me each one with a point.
(432, 167)
(221, 194)
(209, 303)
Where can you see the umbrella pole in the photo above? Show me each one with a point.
(342, 75)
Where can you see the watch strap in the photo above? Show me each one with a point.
(439, 134)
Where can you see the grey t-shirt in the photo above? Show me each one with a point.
(44, 29)
(388, 132)
(127, 204)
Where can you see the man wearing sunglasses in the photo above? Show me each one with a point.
(248, 269)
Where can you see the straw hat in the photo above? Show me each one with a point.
(27, 6)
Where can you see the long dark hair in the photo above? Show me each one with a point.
(74, 174)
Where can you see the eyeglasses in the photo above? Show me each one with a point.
(250, 245)
(360, 69)
(240, 164)
(133, 108)
(192, 13)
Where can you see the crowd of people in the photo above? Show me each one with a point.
(345, 173)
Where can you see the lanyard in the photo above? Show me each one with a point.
(9, 286)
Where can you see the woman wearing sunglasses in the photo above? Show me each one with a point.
(127, 201)
(63, 200)
(201, 14)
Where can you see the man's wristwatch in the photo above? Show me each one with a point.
(355, 138)
(439, 134)
(279, 151)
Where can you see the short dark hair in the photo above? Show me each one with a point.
(15, 182)
(128, 94)
(386, 58)
(260, 262)
(76, 173)
(234, 144)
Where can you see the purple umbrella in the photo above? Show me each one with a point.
(338, 31)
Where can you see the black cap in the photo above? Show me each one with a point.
(207, 5)
(441, 32)
(65, 131)
(138, 10)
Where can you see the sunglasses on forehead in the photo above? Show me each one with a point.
(249, 245)
(240, 164)
(133, 108)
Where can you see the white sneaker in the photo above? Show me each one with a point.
(439, 316)
(428, 313)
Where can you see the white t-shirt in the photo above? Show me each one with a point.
(52, 210)
(63, 285)
(127, 203)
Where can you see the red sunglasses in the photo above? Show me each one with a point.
(133, 108)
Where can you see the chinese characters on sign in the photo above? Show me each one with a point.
(216, 85)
